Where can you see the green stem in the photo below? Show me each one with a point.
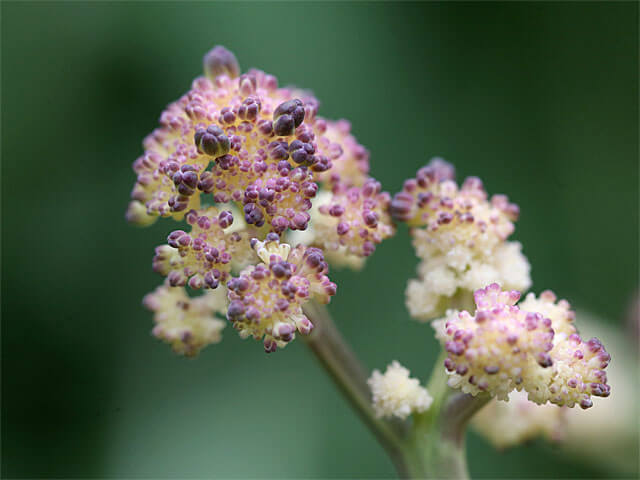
(434, 446)
(345, 369)
(438, 435)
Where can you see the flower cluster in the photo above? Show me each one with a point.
(242, 160)
(267, 298)
(187, 324)
(351, 221)
(461, 238)
(532, 347)
(395, 394)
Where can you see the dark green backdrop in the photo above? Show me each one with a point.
(540, 100)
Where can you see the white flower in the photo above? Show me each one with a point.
(395, 394)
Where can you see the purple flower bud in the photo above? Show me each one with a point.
(370, 218)
(219, 61)
(212, 141)
(284, 126)
(235, 310)
(250, 109)
(225, 219)
(293, 110)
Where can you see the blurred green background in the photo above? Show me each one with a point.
(539, 99)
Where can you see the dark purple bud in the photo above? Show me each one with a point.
(284, 126)
(278, 150)
(253, 215)
(320, 163)
(235, 310)
(294, 109)
(225, 219)
(301, 153)
(212, 141)
(250, 109)
(265, 127)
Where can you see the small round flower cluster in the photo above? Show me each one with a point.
(354, 219)
(203, 257)
(504, 347)
(395, 394)
(511, 423)
(187, 324)
(460, 236)
(267, 299)
(262, 156)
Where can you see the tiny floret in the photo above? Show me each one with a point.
(395, 394)
(503, 347)
(187, 324)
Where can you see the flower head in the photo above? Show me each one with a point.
(239, 138)
(187, 324)
(242, 161)
(355, 218)
(396, 394)
(267, 299)
(461, 237)
(503, 347)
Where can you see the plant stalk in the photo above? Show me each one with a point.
(434, 445)
(338, 359)
(438, 435)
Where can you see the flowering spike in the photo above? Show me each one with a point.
(395, 394)
(188, 324)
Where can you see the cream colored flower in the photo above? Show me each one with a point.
(395, 394)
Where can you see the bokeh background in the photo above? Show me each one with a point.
(539, 99)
